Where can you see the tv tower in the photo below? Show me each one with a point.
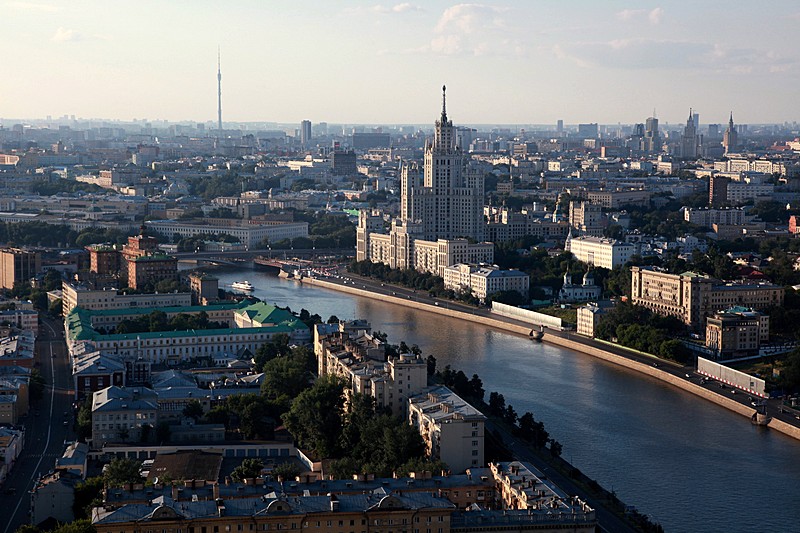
(219, 94)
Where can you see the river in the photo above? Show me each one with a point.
(689, 464)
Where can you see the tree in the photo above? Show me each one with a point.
(193, 410)
(249, 468)
(285, 377)
(476, 387)
(88, 494)
(286, 471)
(315, 417)
(431, 362)
(121, 471)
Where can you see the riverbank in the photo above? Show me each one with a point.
(568, 343)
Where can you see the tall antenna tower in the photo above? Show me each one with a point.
(219, 94)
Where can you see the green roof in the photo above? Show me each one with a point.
(79, 321)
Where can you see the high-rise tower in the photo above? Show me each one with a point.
(448, 200)
(730, 139)
(689, 138)
(219, 94)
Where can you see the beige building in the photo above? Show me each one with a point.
(708, 216)
(74, 295)
(737, 331)
(17, 266)
(441, 212)
(691, 297)
(451, 428)
(349, 351)
(586, 218)
(589, 317)
(482, 280)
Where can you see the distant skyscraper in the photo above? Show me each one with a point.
(652, 139)
(730, 140)
(219, 93)
(560, 127)
(588, 131)
(305, 132)
(689, 139)
(696, 118)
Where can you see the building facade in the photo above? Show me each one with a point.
(691, 297)
(441, 217)
(737, 331)
(483, 281)
(18, 266)
(600, 252)
(452, 429)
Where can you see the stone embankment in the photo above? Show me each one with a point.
(677, 381)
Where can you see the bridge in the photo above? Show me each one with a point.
(236, 257)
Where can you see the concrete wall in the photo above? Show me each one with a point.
(684, 384)
(749, 383)
(535, 319)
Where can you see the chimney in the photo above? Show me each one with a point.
(215, 491)
(174, 492)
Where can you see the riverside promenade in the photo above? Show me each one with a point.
(675, 374)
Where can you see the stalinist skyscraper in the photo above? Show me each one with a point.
(448, 199)
(441, 220)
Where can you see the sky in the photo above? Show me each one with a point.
(350, 62)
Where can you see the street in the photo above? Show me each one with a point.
(44, 434)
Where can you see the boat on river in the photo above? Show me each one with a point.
(244, 286)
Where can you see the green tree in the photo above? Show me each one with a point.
(249, 468)
(193, 410)
(88, 494)
(287, 471)
(121, 471)
(315, 417)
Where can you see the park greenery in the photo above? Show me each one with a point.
(325, 230)
(638, 328)
(36, 233)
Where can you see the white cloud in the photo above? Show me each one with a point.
(33, 7)
(64, 35)
(468, 18)
(653, 16)
(398, 8)
(641, 54)
(446, 45)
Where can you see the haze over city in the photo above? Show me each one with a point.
(382, 62)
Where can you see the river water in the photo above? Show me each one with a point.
(689, 464)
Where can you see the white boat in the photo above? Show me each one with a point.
(242, 286)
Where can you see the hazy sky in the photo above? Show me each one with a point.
(524, 61)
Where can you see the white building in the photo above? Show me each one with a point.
(251, 235)
(600, 252)
(483, 280)
(707, 216)
(583, 292)
(120, 413)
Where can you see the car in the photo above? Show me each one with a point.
(66, 423)
(688, 376)
(733, 391)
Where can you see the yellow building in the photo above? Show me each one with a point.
(17, 266)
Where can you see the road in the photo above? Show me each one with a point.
(774, 407)
(45, 433)
(607, 520)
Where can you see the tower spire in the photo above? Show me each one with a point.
(219, 93)
(444, 104)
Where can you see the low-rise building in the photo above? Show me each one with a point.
(589, 317)
(75, 295)
(737, 331)
(598, 251)
(11, 443)
(120, 414)
(452, 429)
(582, 292)
(485, 280)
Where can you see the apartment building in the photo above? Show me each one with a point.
(75, 295)
(600, 252)
(691, 297)
(737, 331)
(451, 428)
(17, 266)
(483, 280)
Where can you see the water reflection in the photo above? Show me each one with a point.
(690, 464)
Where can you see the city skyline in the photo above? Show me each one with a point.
(380, 62)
